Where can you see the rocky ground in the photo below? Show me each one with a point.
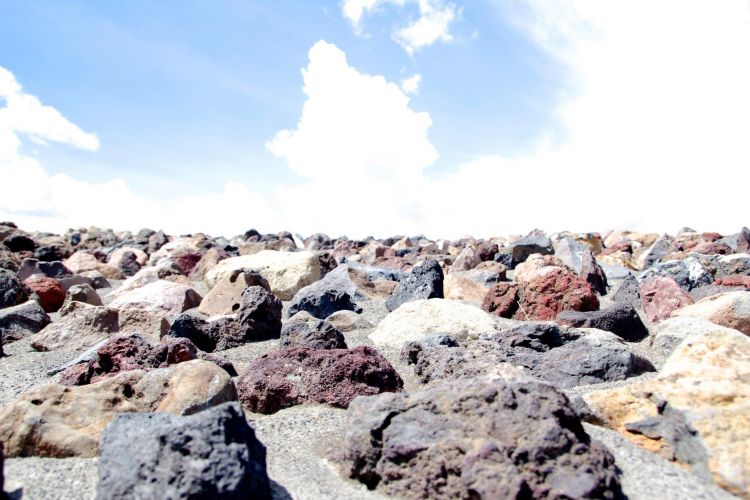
(272, 366)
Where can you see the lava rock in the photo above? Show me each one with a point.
(12, 289)
(661, 296)
(335, 292)
(83, 293)
(620, 318)
(211, 454)
(289, 377)
(260, 313)
(49, 292)
(501, 300)
(629, 292)
(22, 320)
(18, 242)
(534, 243)
(226, 294)
(476, 439)
(688, 273)
(317, 334)
(593, 272)
(550, 293)
(425, 281)
(55, 269)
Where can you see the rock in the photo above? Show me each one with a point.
(414, 320)
(151, 325)
(743, 241)
(80, 326)
(425, 281)
(629, 292)
(712, 248)
(730, 309)
(289, 377)
(534, 243)
(620, 318)
(211, 454)
(83, 260)
(335, 292)
(348, 321)
(661, 247)
(286, 272)
(732, 265)
(260, 313)
(20, 321)
(457, 286)
(57, 421)
(593, 272)
(564, 357)
(535, 265)
(734, 281)
(317, 334)
(557, 290)
(468, 259)
(688, 273)
(569, 251)
(12, 289)
(670, 333)
(224, 298)
(49, 292)
(55, 270)
(661, 296)
(2, 465)
(187, 261)
(484, 438)
(162, 296)
(486, 274)
(94, 278)
(501, 300)
(83, 293)
(695, 412)
(19, 242)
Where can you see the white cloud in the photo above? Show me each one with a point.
(432, 25)
(411, 85)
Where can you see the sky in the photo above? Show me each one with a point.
(375, 117)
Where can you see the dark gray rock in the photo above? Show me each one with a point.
(19, 242)
(335, 292)
(260, 313)
(425, 281)
(318, 334)
(662, 246)
(688, 273)
(560, 355)
(12, 289)
(53, 252)
(211, 454)
(22, 320)
(730, 265)
(128, 263)
(592, 272)
(83, 293)
(476, 439)
(410, 351)
(55, 269)
(620, 318)
(629, 292)
(534, 243)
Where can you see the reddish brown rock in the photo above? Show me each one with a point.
(712, 248)
(289, 377)
(620, 246)
(555, 291)
(743, 281)
(501, 300)
(661, 296)
(187, 261)
(49, 290)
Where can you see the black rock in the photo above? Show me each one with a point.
(260, 313)
(52, 252)
(620, 318)
(335, 292)
(318, 334)
(128, 263)
(477, 438)
(534, 243)
(410, 350)
(18, 242)
(22, 320)
(211, 454)
(55, 269)
(12, 289)
(425, 281)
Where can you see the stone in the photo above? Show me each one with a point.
(535, 265)
(57, 421)
(487, 273)
(19, 242)
(501, 300)
(83, 293)
(712, 248)
(543, 297)
(224, 298)
(187, 261)
(688, 273)
(592, 272)
(734, 281)
(51, 269)
(670, 333)
(80, 326)
(12, 290)
(211, 454)
(20, 321)
(260, 313)
(425, 281)
(564, 357)
(414, 320)
(348, 321)
(457, 286)
(695, 412)
(661, 247)
(289, 377)
(731, 265)
(151, 325)
(629, 292)
(2, 465)
(743, 241)
(286, 272)
(314, 333)
(661, 296)
(482, 438)
(730, 309)
(83, 260)
(569, 251)
(94, 278)
(620, 318)
(335, 292)
(468, 259)
(534, 243)
(48, 291)
(162, 296)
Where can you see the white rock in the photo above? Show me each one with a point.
(162, 296)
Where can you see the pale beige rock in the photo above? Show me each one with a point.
(115, 258)
(670, 333)
(79, 327)
(224, 297)
(162, 296)
(706, 382)
(457, 287)
(402, 244)
(152, 326)
(348, 321)
(82, 261)
(176, 247)
(413, 320)
(467, 259)
(730, 309)
(286, 272)
(618, 258)
(58, 421)
(533, 266)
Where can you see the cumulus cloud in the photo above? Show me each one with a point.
(432, 25)
(411, 85)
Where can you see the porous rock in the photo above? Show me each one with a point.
(335, 292)
(80, 326)
(22, 320)
(661, 296)
(48, 291)
(314, 333)
(620, 318)
(425, 281)
(12, 290)
(225, 296)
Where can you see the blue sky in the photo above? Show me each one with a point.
(527, 114)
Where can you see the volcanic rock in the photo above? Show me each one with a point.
(425, 281)
(80, 326)
(557, 290)
(225, 296)
(12, 289)
(162, 296)
(620, 318)
(49, 292)
(315, 333)
(335, 292)
(22, 320)
(730, 309)
(501, 300)
(661, 296)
